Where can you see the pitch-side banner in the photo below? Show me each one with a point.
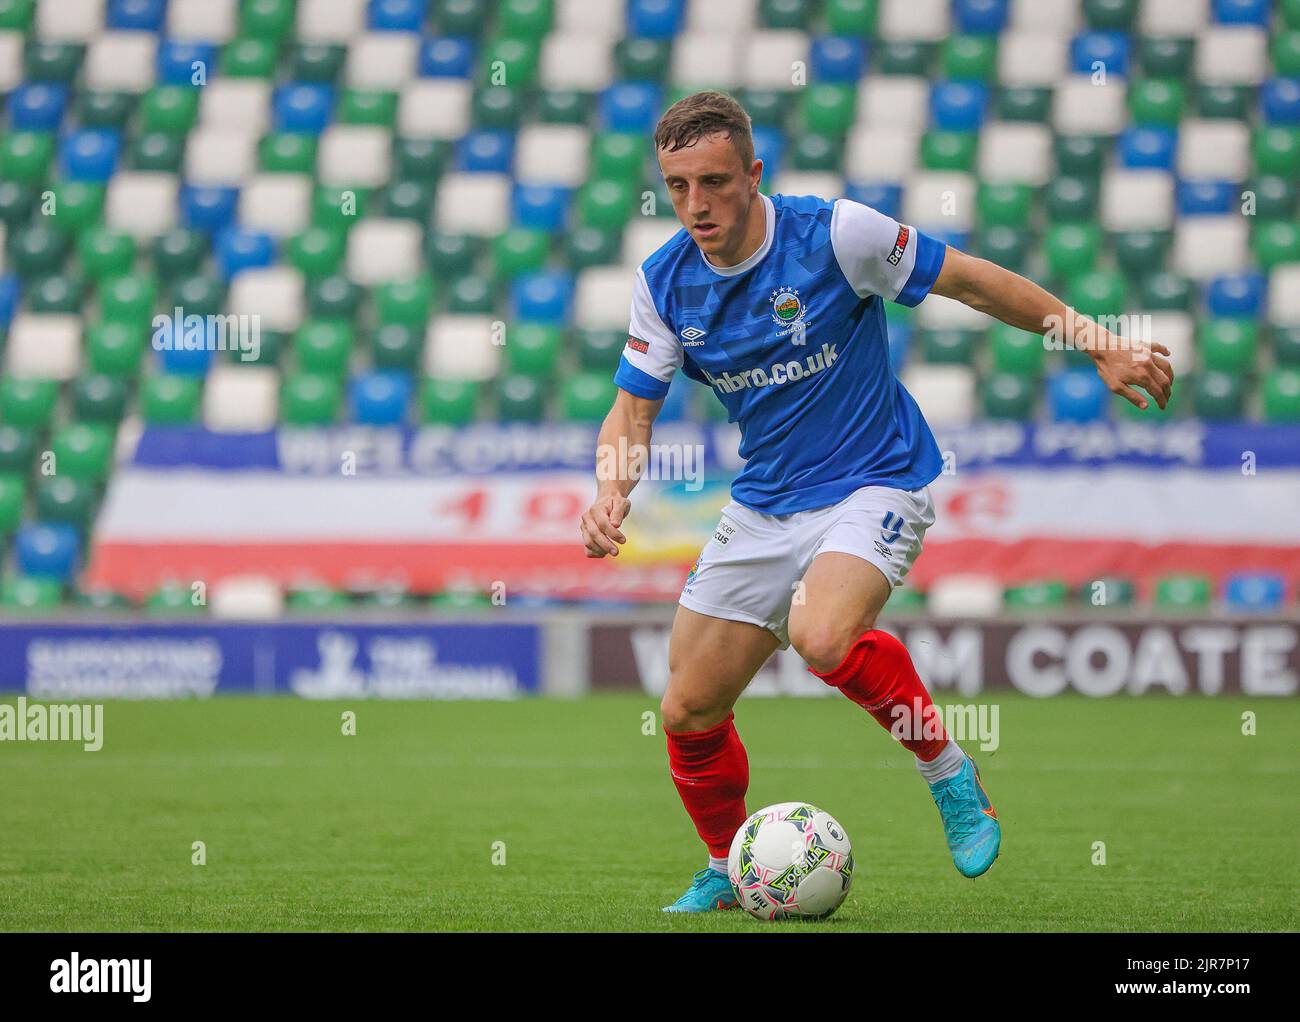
(428, 508)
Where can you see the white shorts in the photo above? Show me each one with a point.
(749, 570)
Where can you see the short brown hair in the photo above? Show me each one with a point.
(702, 114)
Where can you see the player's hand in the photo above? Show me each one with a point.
(1135, 363)
(600, 525)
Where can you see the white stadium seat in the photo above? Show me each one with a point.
(75, 21)
(435, 108)
(240, 398)
(141, 203)
(330, 21)
(474, 204)
(1214, 148)
(382, 250)
(382, 60)
(770, 59)
(1033, 58)
(220, 156)
(121, 62)
(44, 345)
(883, 153)
(1206, 246)
(552, 154)
(354, 154)
(597, 17)
(1015, 151)
(576, 60)
(1045, 15)
(1232, 55)
(274, 294)
(825, 184)
(705, 59)
(602, 297)
(940, 200)
(205, 21)
(945, 393)
(895, 101)
(1081, 108)
(732, 17)
(246, 598)
(956, 596)
(236, 104)
(461, 348)
(920, 20)
(645, 235)
(1178, 18)
(1284, 295)
(11, 60)
(279, 204)
(1136, 200)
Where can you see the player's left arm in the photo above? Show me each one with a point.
(992, 289)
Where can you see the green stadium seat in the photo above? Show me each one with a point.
(1006, 246)
(525, 19)
(1009, 396)
(643, 60)
(17, 448)
(270, 347)
(105, 253)
(83, 450)
(1275, 242)
(851, 17)
(1165, 56)
(907, 600)
(99, 398)
(170, 400)
(1286, 54)
(1276, 150)
(102, 600)
(827, 108)
(77, 205)
(155, 151)
(110, 110)
(618, 157)
(249, 58)
(600, 350)
(520, 399)
(1080, 156)
(1004, 203)
(316, 599)
(56, 293)
(814, 151)
(37, 250)
(324, 347)
(605, 203)
(587, 397)
(533, 349)
(19, 592)
(1017, 351)
(287, 154)
(450, 253)
(316, 62)
(1282, 395)
(1024, 103)
(1224, 101)
(397, 346)
(271, 20)
(1138, 252)
(949, 347)
(1110, 15)
(62, 498)
(13, 495)
(128, 299)
(172, 599)
(1218, 397)
(517, 58)
(1072, 248)
(114, 349)
(970, 58)
(17, 200)
(169, 109)
(310, 399)
(1098, 293)
(1047, 595)
(404, 301)
(26, 156)
(1157, 101)
(497, 108)
(333, 297)
(472, 294)
(767, 108)
(1071, 199)
(25, 401)
(903, 57)
(519, 251)
(1228, 345)
(947, 150)
(448, 402)
(50, 61)
(1107, 592)
(338, 207)
(1182, 593)
(367, 106)
(563, 106)
(590, 246)
(317, 251)
(1165, 292)
(1286, 345)
(459, 599)
(1275, 197)
(419, 159)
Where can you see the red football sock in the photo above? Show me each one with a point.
(878, 675)
(711, 772)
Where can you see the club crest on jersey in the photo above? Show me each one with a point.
(787, 311)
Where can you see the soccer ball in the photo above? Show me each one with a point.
(790, 861)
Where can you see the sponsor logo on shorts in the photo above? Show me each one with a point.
(724, 532)
(775, 375)
(636, 344)
(900, 244)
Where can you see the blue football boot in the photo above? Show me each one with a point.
(970, 823)
(709, 891)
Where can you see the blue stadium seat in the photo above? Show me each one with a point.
(654, 19)
(769, 146)
(136, 15)
(302, 108)
(1110, 48)
(486, 152)
(1206, 198)
(1148, 147)
(446, 57)
(182, 353)
(1236, 294)
(239, 249)
(542, 297)
(837, 59)
(541, 207)
(177, 61)
(1077, 395)
(89, 154)
(882, 196)
(1279, 101)
(630, 107)
(208, 208)
(48, 550)
(379, 399)
(980, 17)
(958, 106)
(1254, 592)
(37, 106)
(1242, 12)
(10, 293)
(395, 15)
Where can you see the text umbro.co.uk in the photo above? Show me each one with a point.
(781, 372)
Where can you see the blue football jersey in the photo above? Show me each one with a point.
(793, 342)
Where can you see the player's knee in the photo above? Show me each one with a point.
(690, 711)
(823, 644)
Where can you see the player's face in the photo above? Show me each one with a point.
(714, 196)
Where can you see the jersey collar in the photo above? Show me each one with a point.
(769, 212)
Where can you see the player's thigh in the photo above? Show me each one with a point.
(710, 661)
(841, 597)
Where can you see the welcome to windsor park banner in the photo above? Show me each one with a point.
(437, 506)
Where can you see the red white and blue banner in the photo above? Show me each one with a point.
(435, 507)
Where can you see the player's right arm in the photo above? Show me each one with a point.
(625, 431)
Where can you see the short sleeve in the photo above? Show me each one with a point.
(653, 352)
(880, 256)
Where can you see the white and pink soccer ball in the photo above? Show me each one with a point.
(791, 861)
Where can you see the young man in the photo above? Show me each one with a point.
(776, 303)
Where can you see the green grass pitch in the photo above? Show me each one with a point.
(395, 828)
